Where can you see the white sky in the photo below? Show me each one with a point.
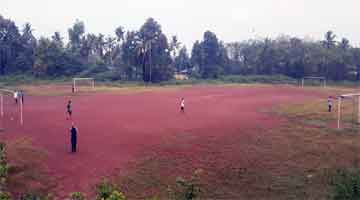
(231, 20)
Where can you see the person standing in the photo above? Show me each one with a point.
(21, 96)
(69, 110)
(16, 96)
(182, 105)
(73, 139)
(329, 103)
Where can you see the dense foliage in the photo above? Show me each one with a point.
(148, 55)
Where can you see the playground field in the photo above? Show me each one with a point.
(222, 128)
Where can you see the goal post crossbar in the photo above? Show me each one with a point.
(320, 78)
(92, 80)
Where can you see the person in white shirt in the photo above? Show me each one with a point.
(16, 96)
(182, 105)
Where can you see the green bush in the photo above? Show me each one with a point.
(5, 196)
(115, 195)
(77, 196)
(346, 185)
(30, 196)
(104, 190)
(4, 167)
(274, 79)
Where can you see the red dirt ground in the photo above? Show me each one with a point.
(115, 128)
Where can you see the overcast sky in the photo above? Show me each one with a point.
(231, 20)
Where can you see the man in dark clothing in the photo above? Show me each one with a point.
(73, 132)
(69, 110)
(329, 101)
(22, 96)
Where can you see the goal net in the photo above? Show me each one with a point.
(83, 84)
(313, 80)
(348, 110)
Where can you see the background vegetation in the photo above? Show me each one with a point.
(149, 55)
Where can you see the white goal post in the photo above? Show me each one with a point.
(355, 97)
(320, 78)
(90, 80)
(10, 93)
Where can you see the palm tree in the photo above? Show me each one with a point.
(344, 44)
(329, 41)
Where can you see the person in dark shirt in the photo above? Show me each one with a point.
(73, 138)
(69, 110)
(22, 94)
(330, 103)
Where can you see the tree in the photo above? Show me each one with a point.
(329, 41)
(155, 52)
(182, 61)
(120, 33)
(210, 56)
(344, 44)
(25, 59)
(235, 57)
(174, 46)
(53, 60)
(196, 55)
(76, 34)
(132, 55)
(356, 56)
(58, 40)
(9, 44)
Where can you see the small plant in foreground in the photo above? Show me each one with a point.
(187, 189)
(5, 196)
(30, 196)
(346, 185)
(77, 196)
(115, 195)
(4, 167)
(104, 190)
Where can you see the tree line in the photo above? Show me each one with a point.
(149, 55)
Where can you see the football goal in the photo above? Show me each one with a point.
(83, 83)
(321, 80)
(351, 104)
(7, 97)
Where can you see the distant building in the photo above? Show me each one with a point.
(182, 75)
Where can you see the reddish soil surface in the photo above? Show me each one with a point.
(114, 128)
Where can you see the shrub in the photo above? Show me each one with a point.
(187, 189)
(104, 190)
(4, 167)
(346, 185)
(77, 196)
(115, 195)
(30, 196)
(5, 196)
